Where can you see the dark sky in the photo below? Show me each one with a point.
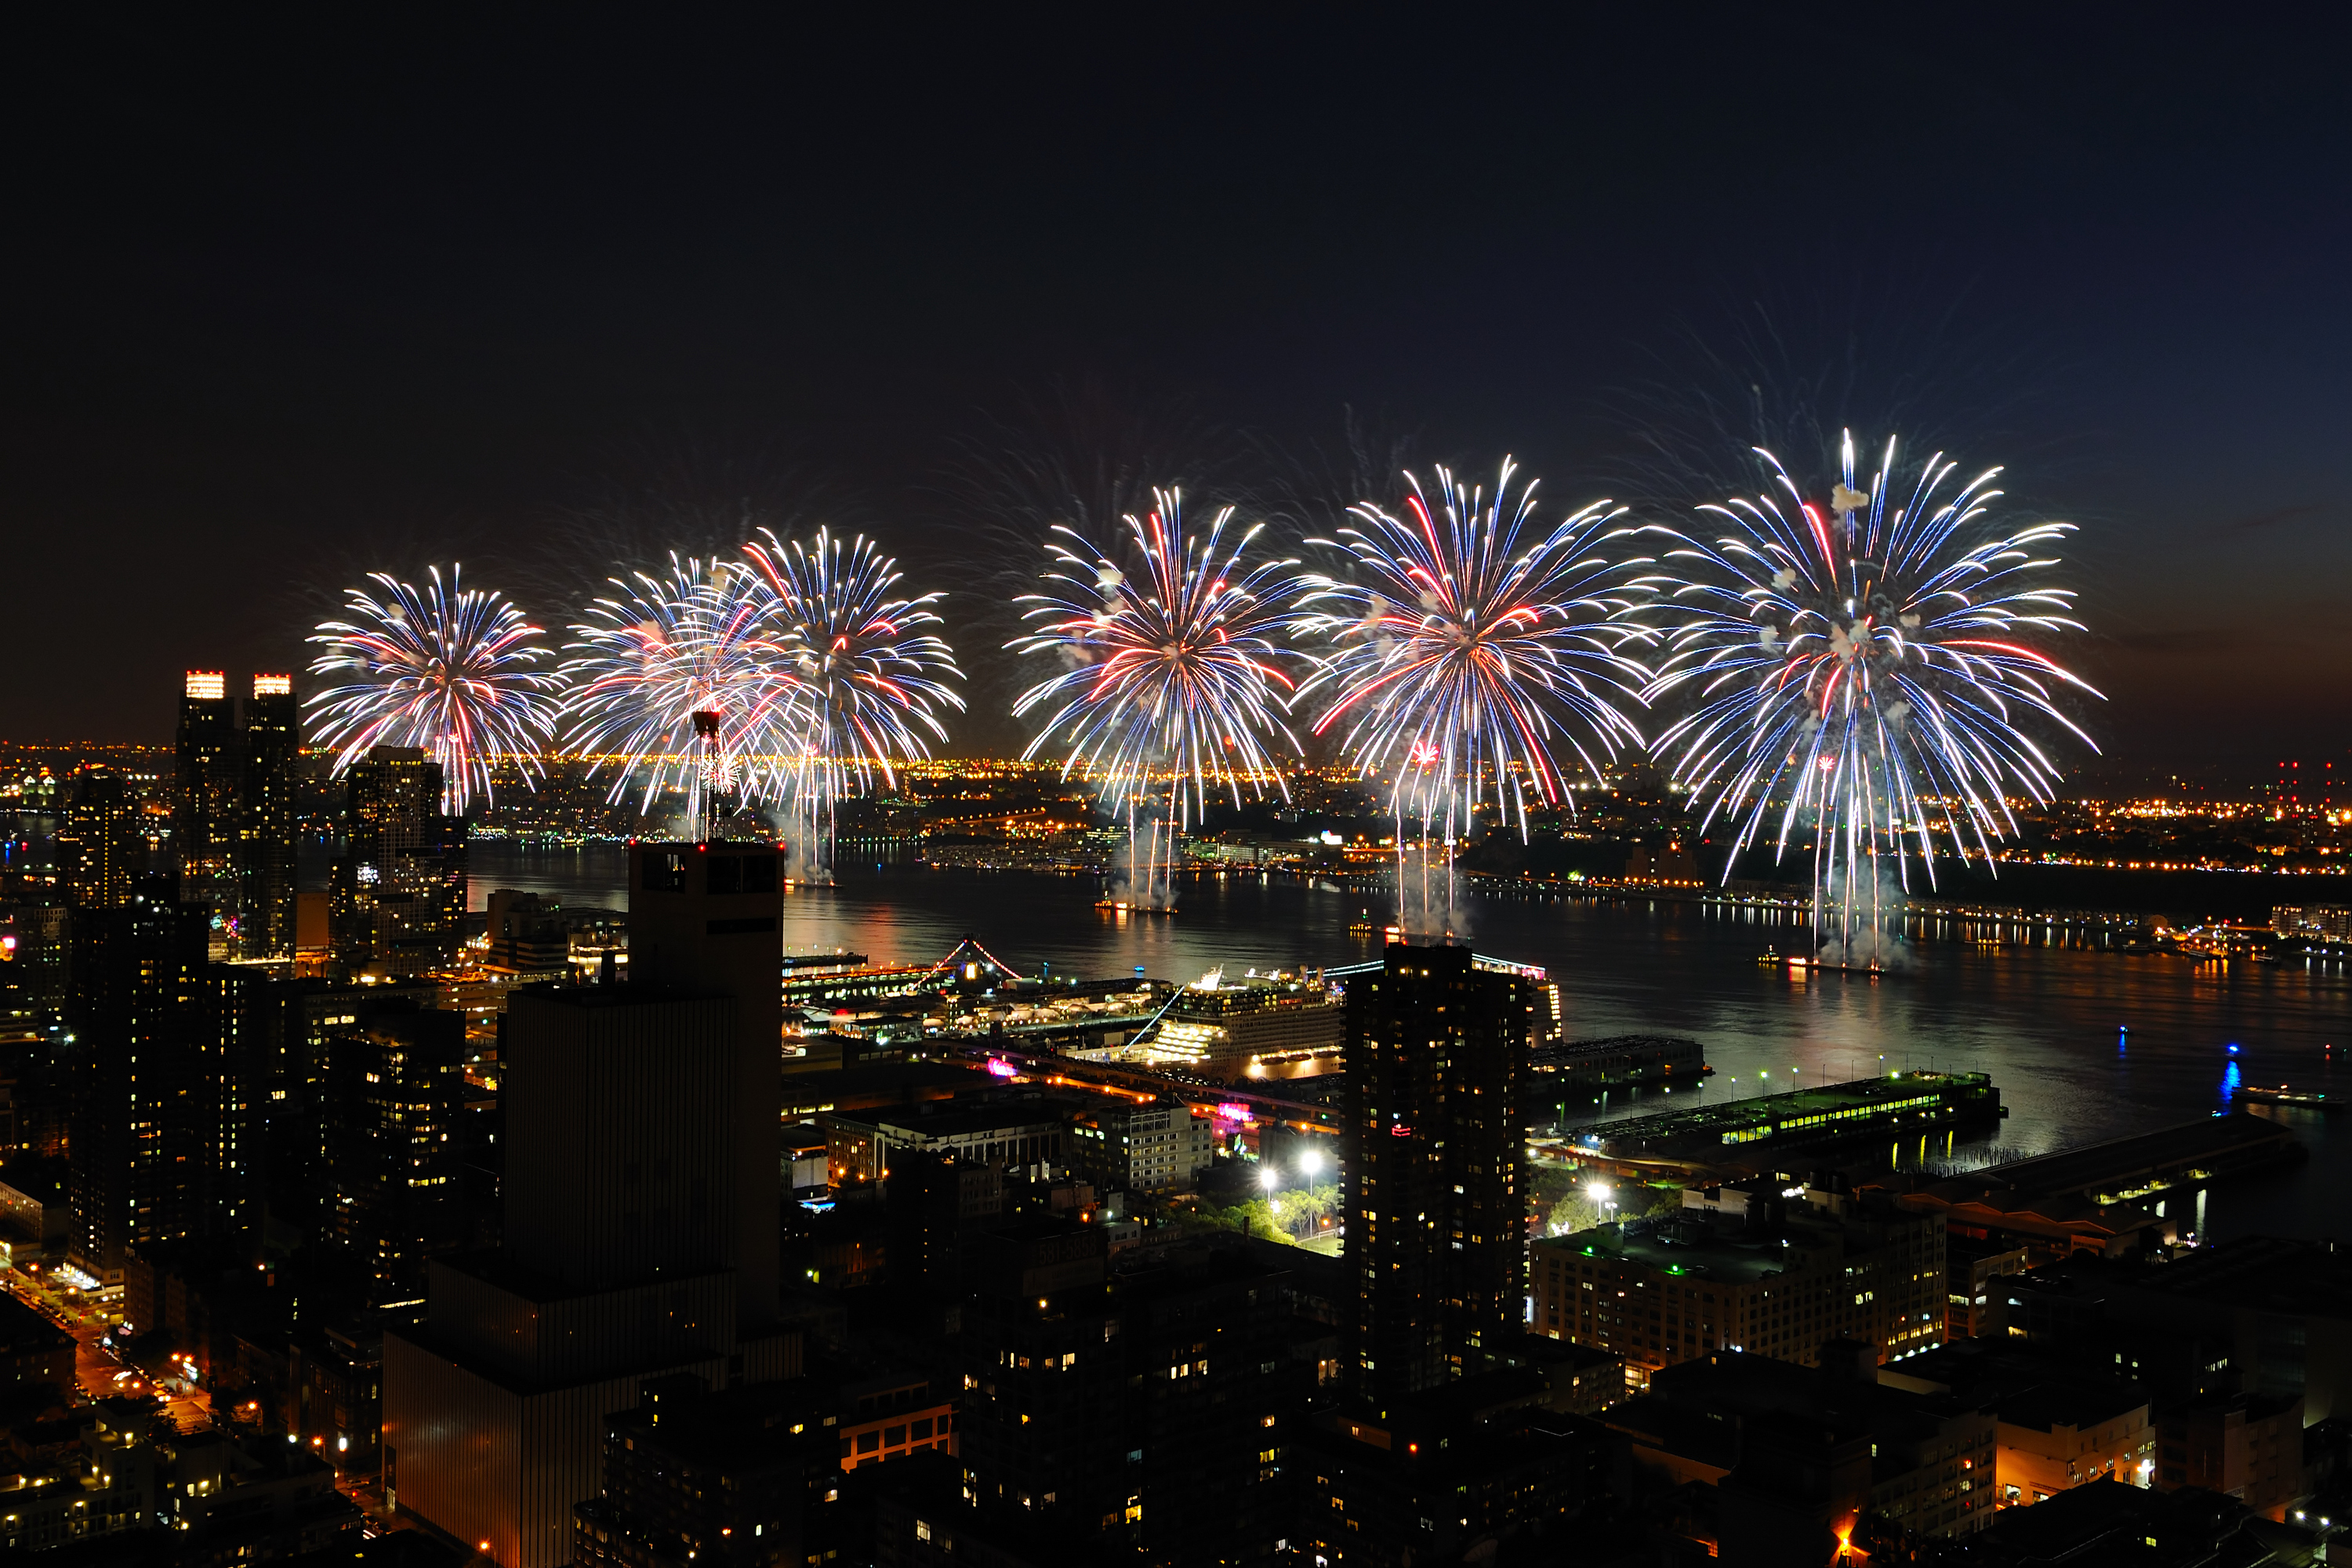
(290, 299)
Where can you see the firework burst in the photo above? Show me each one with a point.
(686, 679)
(1171, 674)
(447, 668)
(1471, 646)
(1865, 667)
(872, 674)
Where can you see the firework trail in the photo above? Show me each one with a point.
(1865, 668)
(871, 677)
(685, 679)
(447, 668)
(1172, 674)
(1470, 647)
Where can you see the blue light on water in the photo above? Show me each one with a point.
(2229, 1083)
(2234, 1047)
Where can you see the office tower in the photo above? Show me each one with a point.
(273, 739)
(395, 1094)
(1437, 1056)
(135, 1008)
(206, 804)
(707, 917)
(641, 1198)
(102, 847)
(397, 896)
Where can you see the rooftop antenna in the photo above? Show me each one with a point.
(706, 780)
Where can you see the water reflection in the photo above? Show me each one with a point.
(2049, 1022)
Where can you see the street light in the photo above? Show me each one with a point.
(1269, 1178)
(1311, 1162)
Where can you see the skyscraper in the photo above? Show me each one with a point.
(396, 899)
(134, 1151)
(641, 1197)
(273, 736)
(205, 803)
(396, 1086)
(100, 847)
(1437, 1058)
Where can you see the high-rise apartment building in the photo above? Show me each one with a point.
(100, 847)
(206, 802)
(396, 1147)
(1437, 1064)
(292, 1038)
(135, 1010)
(396, 899)
(641, 1215)
(266, 831)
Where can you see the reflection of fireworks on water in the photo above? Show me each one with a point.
(1863, 668)
(872, 676)
(452, 670)
(1469, 647)
(1175, 669)
(663, 652)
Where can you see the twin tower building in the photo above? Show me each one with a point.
(641, 1200)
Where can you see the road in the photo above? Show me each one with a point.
(99, 1371)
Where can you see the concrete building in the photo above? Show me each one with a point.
(398, 1145)
(1798, 1275)
(136, 1011)
(641, 1230)
(1921, 1462)
(396, 899)
(102, 847)
(1436, 1066)
(1161, 1147)
(1025, 1134)
(265, 824)
(206, 799)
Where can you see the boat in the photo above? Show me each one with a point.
(1770, 958)
(1120, 906)
(2309, 1099)
(1363, 927)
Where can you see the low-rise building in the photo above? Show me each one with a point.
(1923, 1464)
(2061, 1435)
(1027, 1134)
(2248, 1447)
(1159, 1147)
(1660, 1292)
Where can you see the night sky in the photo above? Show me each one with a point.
(289, 299)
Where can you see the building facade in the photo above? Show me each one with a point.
(206, 798)
(641, 1216)
(1161, 1147)
(396, 899)
(1436, 1064)
(1662, 1292)
(266, 826)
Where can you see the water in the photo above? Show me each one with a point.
(2042, 1020)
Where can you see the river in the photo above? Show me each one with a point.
(2044, 1021)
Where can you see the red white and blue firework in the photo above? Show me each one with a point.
(1865, 667)
(873, 673)
(452, 670)
(1471, 645)
(686, 681)
(1172, 682)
